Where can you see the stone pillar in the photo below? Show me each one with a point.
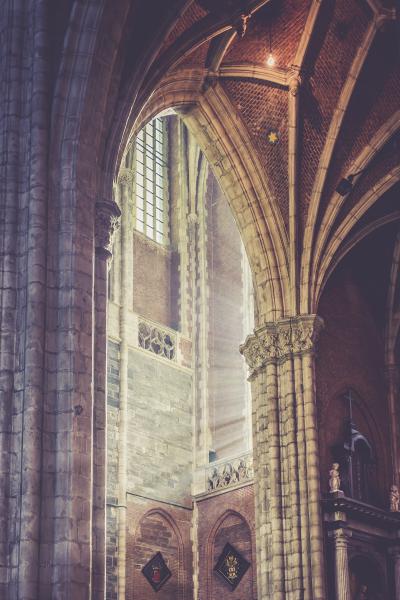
(342, 579)
(106, 222)
(306, 335)
(281, 359)
(260, 351)
(125, 182)
(24, 144)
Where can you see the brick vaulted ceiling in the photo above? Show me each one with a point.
(344, 54)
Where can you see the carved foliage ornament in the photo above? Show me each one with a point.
(230, 473)
(106, 224)
(278, 340)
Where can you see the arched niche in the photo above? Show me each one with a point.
(367, 580)
(351, 355)
(156, 531)
(230, 528)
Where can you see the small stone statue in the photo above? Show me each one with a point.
(394, 497)
(213, 481)
(334, 479)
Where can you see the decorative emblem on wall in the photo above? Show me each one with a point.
(156, 572)
(231, 566)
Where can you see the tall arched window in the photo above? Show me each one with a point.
(150, 180)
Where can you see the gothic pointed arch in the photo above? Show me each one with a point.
(226, 144)
(232, 528)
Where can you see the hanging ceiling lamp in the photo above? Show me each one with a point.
(270, 59)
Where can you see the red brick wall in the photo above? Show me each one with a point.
(157, 527)
(151, 281)
(227, 518)
(350, 355)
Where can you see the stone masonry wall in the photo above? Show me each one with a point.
(227, 375)
(159, 429)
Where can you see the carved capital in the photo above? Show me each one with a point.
(281, 339)
(261, 347)
(305, 332)
(106, 224)
(126, 176)
(340, 537)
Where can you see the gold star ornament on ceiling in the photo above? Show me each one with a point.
(273, 137)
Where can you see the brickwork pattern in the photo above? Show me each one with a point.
(227, 518)
(197, 58)
(262, 108)
(151, 281)
(338, 34)
(388, 203)
(152, 528)
(65, 110)
(285, 21)
(369, 108)
(350, 356)
(191, 15)
(384, 161)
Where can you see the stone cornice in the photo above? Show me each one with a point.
(276, 341)
(362, 511)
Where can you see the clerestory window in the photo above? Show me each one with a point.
(150, 180)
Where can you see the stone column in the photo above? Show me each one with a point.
(305, 336)
(261, 352)
(342, 579)
(281, 359)
(106, 222)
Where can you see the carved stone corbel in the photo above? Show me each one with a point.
(294, 80)
(125, 177)
(107, 221)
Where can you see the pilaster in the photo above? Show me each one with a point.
(106, 223)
